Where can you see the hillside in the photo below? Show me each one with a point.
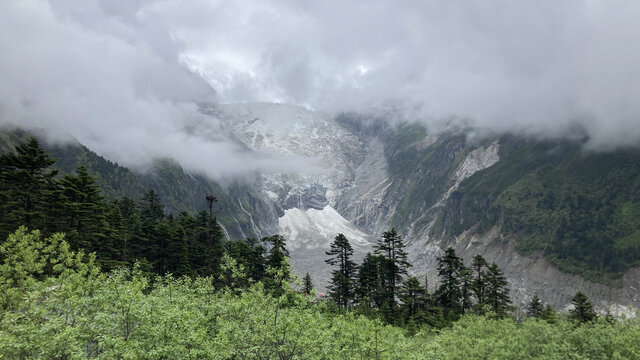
(579, 208)
(178, 190)
(524, 203)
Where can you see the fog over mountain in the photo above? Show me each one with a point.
(126, 77)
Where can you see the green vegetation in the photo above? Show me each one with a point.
(178, 190)
(130, 281)
(56, 304)
(581, 209)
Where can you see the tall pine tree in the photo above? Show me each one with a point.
(479, 266)
(307, 284)
(535, 307)
(370, 283)
(28, 191)
(276, 262)
(449, 293)
(394, 266)
(84, 213)
(582, 311)
(342, 283)
(497, 290)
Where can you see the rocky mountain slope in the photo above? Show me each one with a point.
(448, 189)
(554, 217)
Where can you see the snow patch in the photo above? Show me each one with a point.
(317, 228)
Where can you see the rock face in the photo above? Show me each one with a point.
(366, 177)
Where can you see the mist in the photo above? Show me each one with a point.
(126, 78)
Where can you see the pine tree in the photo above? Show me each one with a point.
(466, 289)
(548, 314)
(130, 244)
(276, 262)
(535, 307)
(342, 283)
(197, 228)
(176, 252)
(307, 284)
(152, 233)
(497, 290)
(152, 206)
(84, 212)
(583, 308)
(28, 191)
(395, 264)
(449, 293)
(412, 295)
(256, 259)
(214, 239)
(479, 266)
(370, 284)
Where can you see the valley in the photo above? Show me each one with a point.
(365, 176)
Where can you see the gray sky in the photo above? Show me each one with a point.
(124, 76)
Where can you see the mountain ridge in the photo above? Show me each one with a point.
(437, 189)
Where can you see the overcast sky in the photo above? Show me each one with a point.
(123, 76)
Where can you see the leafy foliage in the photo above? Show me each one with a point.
(61, 307)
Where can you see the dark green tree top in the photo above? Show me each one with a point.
(583, 308)
(307, 284)
(535, 307)
(449, 293)
(27, 188)
(342, 284)
(497, 290)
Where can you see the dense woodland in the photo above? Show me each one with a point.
(83, 277)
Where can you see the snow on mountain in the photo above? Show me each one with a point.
(312, 228)
(307, 200)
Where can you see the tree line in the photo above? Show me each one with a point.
(122, 232)
(380, 285)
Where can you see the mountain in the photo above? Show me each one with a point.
(558, 218)
(555, 217)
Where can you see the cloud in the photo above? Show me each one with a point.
(536, 67)
(126, 77)
(101, 73)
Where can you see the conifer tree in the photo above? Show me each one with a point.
(307, 284)
(28, 191)
(152, 232)
(131, 245)
(370, 283)
(276, 261)
(535, 307)
(176, 252)
(583, 308)
(466, 289)
(248, 254)
(342, 283)
(497, 290)
(548, 314)
(449, 293)
(152, 206)
(479, 266)
(394, 266)
(83, 210)
(412, 295)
